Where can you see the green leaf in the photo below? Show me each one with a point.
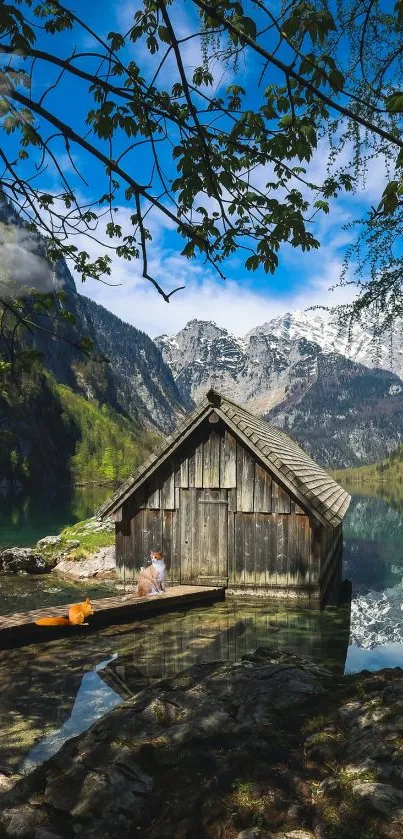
(336, 79)
(117, 40)
(394, 103)
(163, 34)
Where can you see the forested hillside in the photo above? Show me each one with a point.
(387, 470)
(50, 435)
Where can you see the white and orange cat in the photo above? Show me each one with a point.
(152, 579)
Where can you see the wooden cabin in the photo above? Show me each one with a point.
(231, 501)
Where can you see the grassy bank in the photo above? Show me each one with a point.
(90, 539)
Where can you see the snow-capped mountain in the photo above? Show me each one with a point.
(342, 412)
(257, 370)
(322, 329)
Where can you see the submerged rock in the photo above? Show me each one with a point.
(226, 749)
(28, 560)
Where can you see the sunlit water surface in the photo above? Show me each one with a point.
(53, 691)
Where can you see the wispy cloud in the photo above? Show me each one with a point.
(22, 265)
(234, 304)
(187, 27)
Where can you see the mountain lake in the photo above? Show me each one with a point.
(53, 691)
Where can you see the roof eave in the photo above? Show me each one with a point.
(109, 508)
(266, 461)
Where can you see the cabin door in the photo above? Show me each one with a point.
(204, 536)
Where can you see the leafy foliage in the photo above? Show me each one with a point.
(225, 164)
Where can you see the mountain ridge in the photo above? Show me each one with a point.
(341, 411)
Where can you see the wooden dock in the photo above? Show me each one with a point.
(19, 627)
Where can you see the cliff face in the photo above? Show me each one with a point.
(143, 382)
(133, 391)
(135, 381)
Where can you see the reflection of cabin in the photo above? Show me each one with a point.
(226, 632)
(231, 501)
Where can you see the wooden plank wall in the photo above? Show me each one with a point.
(216, 460)
(270, 539)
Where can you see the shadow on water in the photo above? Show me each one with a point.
(51, 692)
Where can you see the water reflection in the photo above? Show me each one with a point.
(26, 518)
(53, 691)
(373, 560)
(92, 700)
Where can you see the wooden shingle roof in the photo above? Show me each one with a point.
(311, 485)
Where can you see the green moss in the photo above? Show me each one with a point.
(90, 541)
(318, 721)
(346, 779)
(324, 737)
(244, 797)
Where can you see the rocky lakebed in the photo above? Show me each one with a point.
(268, 747)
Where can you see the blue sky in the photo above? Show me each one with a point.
(244, 299)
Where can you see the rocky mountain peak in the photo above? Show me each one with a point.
(293, 371)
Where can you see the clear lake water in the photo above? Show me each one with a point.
(53, 691)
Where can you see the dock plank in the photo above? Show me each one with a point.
(20, 627)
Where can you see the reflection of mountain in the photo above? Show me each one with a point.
(388, 490)
(373, 561)
(376, 618)
(369, 565)
(373, 519)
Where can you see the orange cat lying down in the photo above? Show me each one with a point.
(77, 614)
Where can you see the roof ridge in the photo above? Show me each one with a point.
(293, 467)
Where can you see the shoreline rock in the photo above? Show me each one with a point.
(268, 746)
(24, 561)
(101, 565)
(45, 557)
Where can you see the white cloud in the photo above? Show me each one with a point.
(21, 265)
(234, 305)
(186, 26)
